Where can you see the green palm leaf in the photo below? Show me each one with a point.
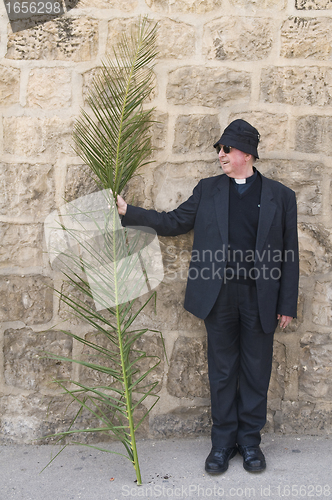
(113, 139)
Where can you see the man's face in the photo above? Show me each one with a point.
(236, 164)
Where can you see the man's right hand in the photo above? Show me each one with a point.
(122, 205)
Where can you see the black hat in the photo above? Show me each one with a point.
(240, 135)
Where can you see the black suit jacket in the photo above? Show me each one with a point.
(276, 254)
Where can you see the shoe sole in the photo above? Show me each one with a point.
(220, 471)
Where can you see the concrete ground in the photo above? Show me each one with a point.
(297, 467)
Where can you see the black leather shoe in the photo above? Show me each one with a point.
(217, 461)
(253, 458)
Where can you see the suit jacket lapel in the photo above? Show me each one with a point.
(221, 201)
(266, 215)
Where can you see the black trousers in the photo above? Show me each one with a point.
(240, 362)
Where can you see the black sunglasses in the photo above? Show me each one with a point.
(226, 149)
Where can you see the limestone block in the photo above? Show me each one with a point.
(150, 344)
(71, 296)
(238, 38)
(260, 5)
(127, 6)
(134, 191)
(49, 88)
(306, 38)
(188, 371)
(27, 418)
(272, 127)
(9, 85)
(315, 249)
(25, 358)
(277, 382)
(184, 6)
(195, 133)
(314, 134)
(182, 422)
(168, 313)
(174, 182)
(80, 181)
(211, 87)
(65, 39)
(174, 39)
(27, 190)
(32, 136)
(26, 298)
(313, 4)
(316, 366)
(159, 130)
(176, 254)
(301, 417)
(310, 86)
(301, 176)
(21, 244)
(322, 303)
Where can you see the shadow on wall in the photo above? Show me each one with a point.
(27, 14)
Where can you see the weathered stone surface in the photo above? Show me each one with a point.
(322, 303)
(25, 358)
(297, 85)
(211, 87)
(277, 382)
(49, 88)
(9, 85)
(70, 295)
(188, 372)
(316, 366)
(259, 5)
(184, 422)
(315, 249)
(80, 181)
(63, 39)
(27, 418)
(31, 136)
(28, 299)
(159, 130)
(303, 177)
(176, 257)
(21, 244)
(168, 312)
(313, 4)
(127, 6)
(174, 182)
(314, 134)
(238, 38)
(150, 344)
(195, 133)
(301, 417)
(27, 190)
(185, 6)
(134, 191)
(306, 38)
(175, 40)
(272, 127)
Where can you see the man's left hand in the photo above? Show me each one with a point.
(284, 320)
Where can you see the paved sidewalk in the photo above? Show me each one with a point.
(297, 467)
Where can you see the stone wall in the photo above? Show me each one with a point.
(267, 61)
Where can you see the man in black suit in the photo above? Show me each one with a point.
(242, 280)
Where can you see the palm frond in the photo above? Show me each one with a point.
(102, 263)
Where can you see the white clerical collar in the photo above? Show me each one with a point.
(240, 181)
